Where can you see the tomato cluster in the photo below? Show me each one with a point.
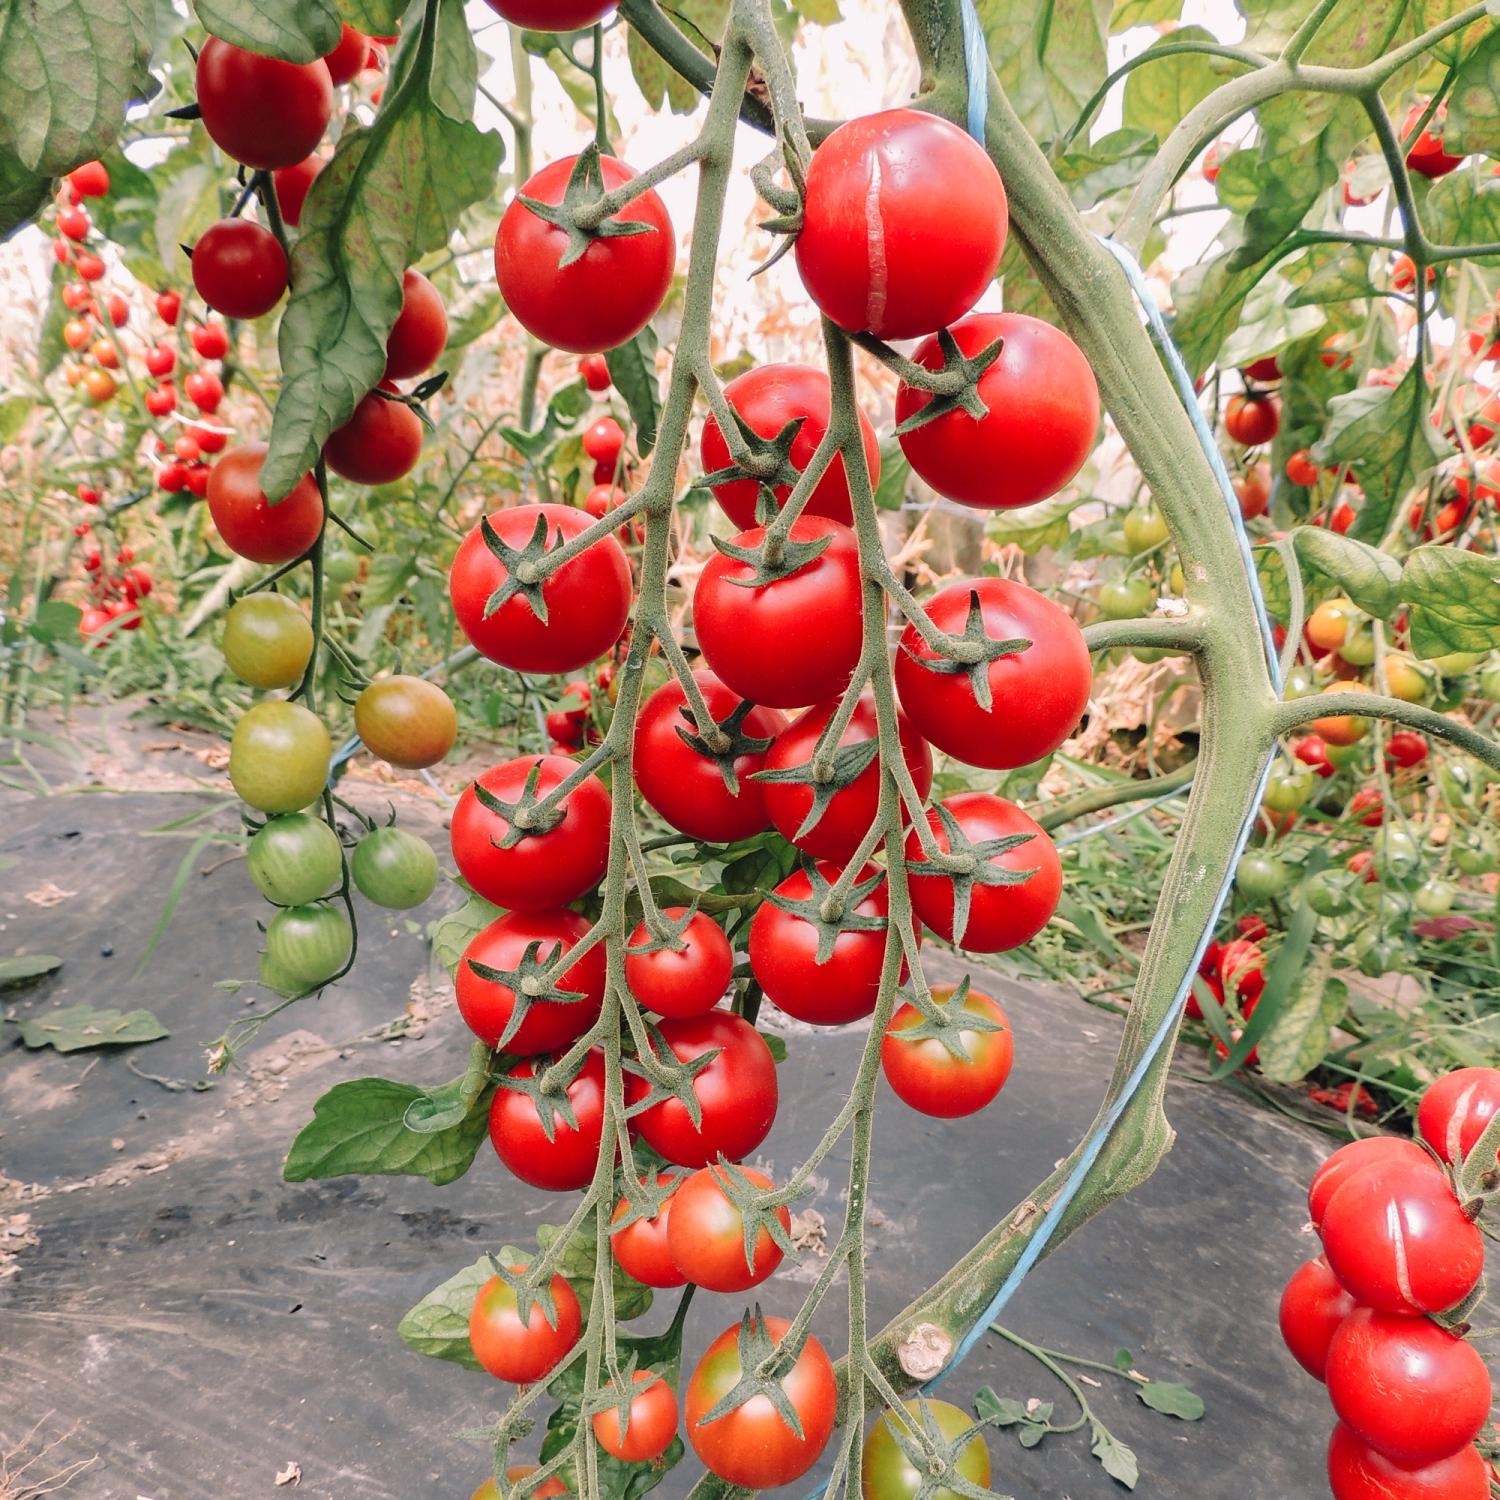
(1376, 1318)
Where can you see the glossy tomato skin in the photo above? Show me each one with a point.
(752, 1445)
(247, 521)
(927, 1076)
(1252, 420)
(549, 1026)
(1313, 1306)
(651, 1427)
(904, 224)
(292, 184)
(643, 1247)
(394, 868)
(687, 788)
(420, 332)
(348, 55)
(706, 1234)
(1038, 695)
(518, 1351)
(1455, 1110)
(784, 950)
(309, 944)
(682, 982)
(1397, 1239)
(793, 641)
(1000, 917)
(1357, 1472)
(543, 869)
(406, 720)
(295, 859)
(551, 15)
(1408, 1388)
(737, 1092)
(888, 1473)
(239, 268)
(568, 1159)
(278, 757)
(848, 816)
(767, 399)
(260, 110)
(1043, 416)
(608, 295)
(587, 599)
(268, 641)
(379, 444)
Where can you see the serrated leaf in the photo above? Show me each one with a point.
(632, 367)
(1050, 58)
(1033, 527)
(1128, 13)
(1095, 169)
(1462, 209)
(70, 69)
(438, 1326)
(1171, 1399)
(1160, 92)
(1454, 600)
(360, 1127)
(1300, 1038)
(390, 574)
(1473, 122)
(1370, 577)
(1118, 1460)
(297, 30)
(1003, 1411)
(1343, 276)
(21, 968)
(23, 193)
(452, 933)
(1209, 298)
(1268, 322)
(75, 1028)
(55, 620)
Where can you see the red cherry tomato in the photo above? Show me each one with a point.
(211, 340)
(74, 223)
(1425, 155)
(1397, 1239)
(1001, 917)
(904, 223)
(754, 1445)
(926, 1075)
(848, 816)
(91, 180)
(1268, 367)
(518, 1351)
(681, 982)
(1043, 416)
(605, 297)
(685, 785)
(1354, 1157)
(249, 524)
(587, 599)
(790, 642)
(567, 1159)
(196, 478)
(161, 360)
(604, 442)
(768, 399)
(736, 1092)
(1412, 1390)
(1312, 1307)
(648, 1430)
(348, 57)
(1455, 1110)
(1037, 695)
(784, 954)
(552, 15)
(488, 1005)
(1404, 750)
(239, 269)
(641, 1246)
(420, 332)
(292, 184)
(204, 389)
(260, 110)
(1367, 806)
(544, 869)
(1242, 972)
(1301, 470)
(1253, 490)
(90, 267)
(168, 306)
(1252, 419)
(379, 444)
(595, 371)
(706, 1234)
(1312, 750)
(1357, 1472)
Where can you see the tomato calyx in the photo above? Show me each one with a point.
(524, 571)
(827, 773)
(775, 557)
(758, 1207)
(655, 1192)
(580, 215)
(945, 1021)
(533, 981)
(669, 1076)
(726, 744)
(955, 387)
(767, 459)
(763, 1365)
(547, 1088)
(935, 1456)
(530, 1288)
(664, 933)
(971, 653)
(968, 864)
(826, 911)
(529, 814)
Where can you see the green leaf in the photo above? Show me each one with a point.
(449, 1105)
(1094, 170)
(14, 410)
(1271, 571)
(1171, 1399)
(55, 620)
(389, 576)
(1464, 210)
(360, 1127)
(1454, 600)
(1118, 1460)
(1303, 1031)
(1022, 287)
(71, 67)
(452, 933)
(78, 1027)
(23, 193)
(21, 968)
(1128, 13)
(1050, 58)
(1370, 577)
(1474, 102)
(1343, 276)
(1160, 92)
(1000, 1411)
(895, 471)
(392, 193)
(1209, 298)
(1033, 528)
(438, 1326)
(632, 367)
(297, 30)
(476, 314)
(775, 1045)
(374, 17)
(1269, 321)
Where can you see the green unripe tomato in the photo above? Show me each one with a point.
(268, 641)
(278, 757)
(1286, 793)
(1258, 876)
(1375, 953)
(1344, 756)
(1489, 683)
(1328, 894)
(295, 859)
(340, 567)
(275, 980)
(309, 944)
(1178, 579)
(1476, 856)
(1300, 683)
(1434, 898)
(1359, 644)
(394, 868)
(1150, 654)
(1397, 853)
(1145, 528)
(1126, 599)
(1449, 693)
(1456, 781)
(1456, 662)
(888, 1472)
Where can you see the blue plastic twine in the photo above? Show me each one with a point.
(977, 63)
